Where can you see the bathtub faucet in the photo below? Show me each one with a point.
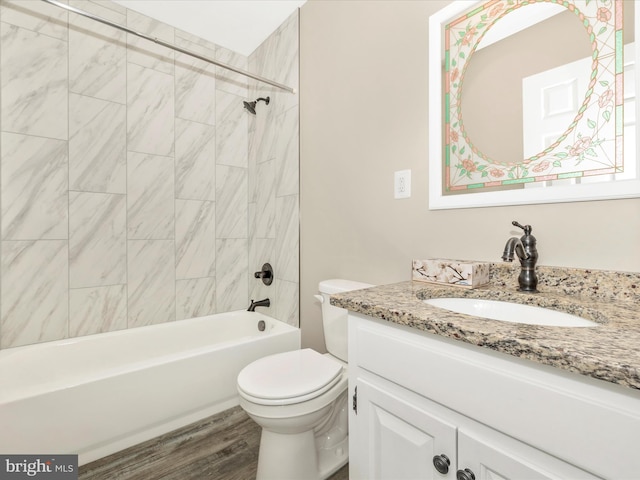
(260, 303)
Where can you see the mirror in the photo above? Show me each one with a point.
(522, 120)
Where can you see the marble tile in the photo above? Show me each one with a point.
(231, 202)
(145, 52)
(37, 16)
(227, 80)
(150, 111)
(287, 259)
(231, 274)
(261, 250)
(151, 282)
(108, 96)
(262, 144)
(106, 9)
(195, 89)
(97, 310)
(287, 63)
(195, 297)
(277, 59)
(97, 145)
(252, 165)
(195, 239)
(195, 44)
(35, 292)
(34, 83)
(287, 302)
(232, 144)
(97, 54)
(97, 239)
(288, 38)
(34, 188)
(110, 5)
(195, 160)
(266, 200)
(150, 196)
(287, 153)
(251, 222)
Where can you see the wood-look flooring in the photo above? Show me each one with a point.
(221, 447)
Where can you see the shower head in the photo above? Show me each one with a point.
(251, 106)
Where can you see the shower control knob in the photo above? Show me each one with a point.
(465, 474)
(441, 462)
(266, 274)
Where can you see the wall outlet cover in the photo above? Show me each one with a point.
(402, 184)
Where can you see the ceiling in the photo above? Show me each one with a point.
(239, 25)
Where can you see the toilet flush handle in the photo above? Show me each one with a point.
(320, 298)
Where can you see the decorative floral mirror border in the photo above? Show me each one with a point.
(591, 145)
(573, 153)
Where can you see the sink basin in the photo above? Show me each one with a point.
(510, 312)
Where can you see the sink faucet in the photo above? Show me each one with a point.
(525, 248)
(259, 303)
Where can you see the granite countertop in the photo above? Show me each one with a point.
(609, 351)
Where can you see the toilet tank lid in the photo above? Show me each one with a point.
(338, 285)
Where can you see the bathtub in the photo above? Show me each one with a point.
(99, 394)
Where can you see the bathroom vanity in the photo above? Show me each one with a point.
(437, 394)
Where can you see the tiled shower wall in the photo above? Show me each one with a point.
(274, 170)
(134, 187)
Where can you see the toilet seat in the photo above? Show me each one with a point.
(288, 378)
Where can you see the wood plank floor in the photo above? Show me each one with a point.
(221, 447)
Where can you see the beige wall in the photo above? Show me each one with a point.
(364, 114)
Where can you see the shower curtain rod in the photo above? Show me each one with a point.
(168, 45)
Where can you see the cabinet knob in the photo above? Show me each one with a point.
(441, 462)
(465, 474)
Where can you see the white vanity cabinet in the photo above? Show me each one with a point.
(421, 398)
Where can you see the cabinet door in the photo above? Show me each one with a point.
(397, 437)
(493, 456)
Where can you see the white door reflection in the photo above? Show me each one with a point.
(550, 102)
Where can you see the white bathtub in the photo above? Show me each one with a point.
(99, 394)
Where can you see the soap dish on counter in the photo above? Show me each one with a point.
(459, 273)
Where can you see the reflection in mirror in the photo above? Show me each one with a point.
(493, 83)
(542, 107)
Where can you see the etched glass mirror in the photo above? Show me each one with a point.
(532, 102)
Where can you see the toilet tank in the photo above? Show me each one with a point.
(334, 319)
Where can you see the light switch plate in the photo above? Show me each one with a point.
(402, 184)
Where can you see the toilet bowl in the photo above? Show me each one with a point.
(299, 398)
(302, 412)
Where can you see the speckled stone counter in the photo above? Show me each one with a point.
(609, 351)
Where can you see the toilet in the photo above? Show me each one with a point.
(299, 398)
